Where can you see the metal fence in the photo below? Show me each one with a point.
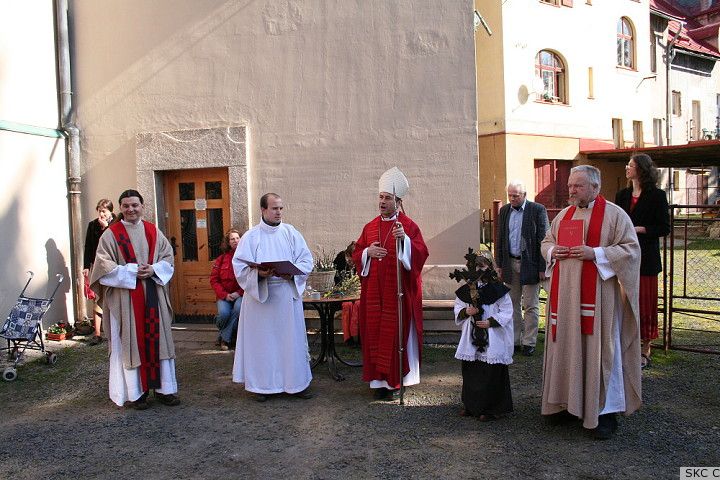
(690, 296)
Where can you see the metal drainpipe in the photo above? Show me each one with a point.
(67, 125)
(669, 56)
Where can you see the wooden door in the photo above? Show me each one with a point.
(551, 177)
(198, 214)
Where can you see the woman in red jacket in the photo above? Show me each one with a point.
(228, 292)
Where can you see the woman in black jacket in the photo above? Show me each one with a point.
(95, 229)
(647, 207)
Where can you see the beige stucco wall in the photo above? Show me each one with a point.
(331, 94)
(33, 207)
(493, 174)
(490, 68)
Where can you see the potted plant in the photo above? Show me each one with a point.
(57, 331)
(349, 286)
(322, 278)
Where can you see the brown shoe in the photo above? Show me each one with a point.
(168, 400)
(305, 394)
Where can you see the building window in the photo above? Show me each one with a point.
(695, 127)
(676, 103)
(625, 45)
(658, 131)
(653, 52)
(591, 85)
(638, 134)
(676, 181)
(550, 2)
(617, 130)
(549, 68)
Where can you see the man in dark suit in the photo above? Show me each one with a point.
(520, 229)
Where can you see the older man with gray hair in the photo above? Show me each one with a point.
(592, 340)
(521, 227)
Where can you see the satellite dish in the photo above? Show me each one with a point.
(523, 94)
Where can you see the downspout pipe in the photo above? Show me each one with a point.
(67, 125)
(669, 57)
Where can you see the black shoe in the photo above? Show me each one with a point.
(169, 400)
(141, 403)
(259, 397)
(305, 394)
(528, 350)
(517, 348)
(560, 418)
(385, 394)
(607, 424)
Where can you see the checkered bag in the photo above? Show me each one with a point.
(24, 318)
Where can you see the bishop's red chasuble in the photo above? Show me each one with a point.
(379, 301)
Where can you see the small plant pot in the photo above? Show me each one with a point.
(56, 336)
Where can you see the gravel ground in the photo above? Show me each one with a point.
(56, 422)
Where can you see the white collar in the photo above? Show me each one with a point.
(269, 228)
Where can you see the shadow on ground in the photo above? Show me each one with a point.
(57, 422)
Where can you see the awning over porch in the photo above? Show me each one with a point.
(694, 154)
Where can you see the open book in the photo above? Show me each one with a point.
(282, 267)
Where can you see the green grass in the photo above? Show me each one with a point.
(36, 379)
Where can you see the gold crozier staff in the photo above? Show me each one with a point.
(398, 265)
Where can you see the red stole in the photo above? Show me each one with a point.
(382, 311)
(145, 309)
(588, 277)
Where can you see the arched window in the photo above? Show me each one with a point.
(625, 44)
(549, 68)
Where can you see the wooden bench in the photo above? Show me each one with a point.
(438, 316)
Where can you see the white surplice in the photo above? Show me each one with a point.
(124, 383)
(271, 353)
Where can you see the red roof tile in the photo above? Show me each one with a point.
(705, 31)
(686, 41)
(666, 8)
(693, 34)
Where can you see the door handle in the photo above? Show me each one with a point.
(174, 245)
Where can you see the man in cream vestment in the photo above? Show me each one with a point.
(133, 265)
(592, 339)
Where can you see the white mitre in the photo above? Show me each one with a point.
(395, 181)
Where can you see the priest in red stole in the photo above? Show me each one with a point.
(592, 339)
(133, 265)
(376, 258)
